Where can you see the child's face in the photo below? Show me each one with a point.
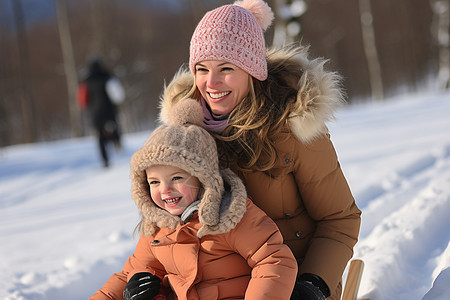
(172, 188)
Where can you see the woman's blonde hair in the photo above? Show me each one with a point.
(247, 143)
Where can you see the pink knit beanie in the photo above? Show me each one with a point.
(234, 33)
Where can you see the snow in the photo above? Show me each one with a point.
(67, 224)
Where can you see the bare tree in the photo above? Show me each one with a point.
(287, 27)
(26, 95)
(69, 65)
(440, 28)
(370, 50)
(100, 25)
(5, 78)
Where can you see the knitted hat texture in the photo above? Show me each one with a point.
(234, 33)
(184, 144)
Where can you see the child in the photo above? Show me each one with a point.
(201, 237)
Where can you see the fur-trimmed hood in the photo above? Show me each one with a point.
(223, 209)
(319, 91)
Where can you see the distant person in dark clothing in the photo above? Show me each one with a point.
(99, 93)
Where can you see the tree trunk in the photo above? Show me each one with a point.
(370, 50)
(440, 28)
(69, 65)
(279, 25)
(26, 95)
(98, 47)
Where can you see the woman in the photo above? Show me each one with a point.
(267, 110)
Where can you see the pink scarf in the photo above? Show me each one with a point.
(212, 122)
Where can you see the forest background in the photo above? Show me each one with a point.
(382, 48)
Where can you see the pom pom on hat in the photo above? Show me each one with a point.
(260, 10)
(235, 34)
(188, 111)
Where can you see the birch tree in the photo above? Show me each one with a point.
(287, 22)
(440, 29)
(370, 50)
(69, 65)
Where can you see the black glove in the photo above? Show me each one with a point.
(310, 287)
(142, 286)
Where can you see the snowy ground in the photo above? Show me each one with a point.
(66, 224)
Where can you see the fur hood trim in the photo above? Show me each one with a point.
(320, 92)
(226, 208)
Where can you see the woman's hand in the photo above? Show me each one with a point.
(310, 287)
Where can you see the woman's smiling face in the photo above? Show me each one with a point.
(222, 85)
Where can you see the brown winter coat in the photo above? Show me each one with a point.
(307, 195)
(230, 260)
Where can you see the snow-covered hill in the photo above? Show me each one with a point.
(66, 224)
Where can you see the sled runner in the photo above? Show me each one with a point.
(351, 287)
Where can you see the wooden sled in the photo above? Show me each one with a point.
(351, 287)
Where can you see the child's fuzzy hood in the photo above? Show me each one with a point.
(223, 208)
(319, 91)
